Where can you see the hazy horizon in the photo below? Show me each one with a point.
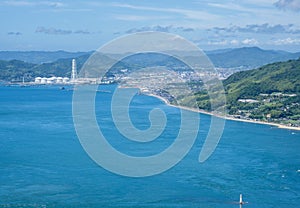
(91, 51)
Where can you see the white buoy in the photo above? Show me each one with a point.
(241, 199)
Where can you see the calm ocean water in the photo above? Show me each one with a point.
(42, 163)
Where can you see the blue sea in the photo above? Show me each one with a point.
(42, 163)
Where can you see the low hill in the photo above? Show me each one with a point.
(283, 77)
(39, 57)
(270, 93)
(16, 70)
(248, 57)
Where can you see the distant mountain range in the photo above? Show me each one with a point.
(247, 57)
(14, 65)
(39, 57)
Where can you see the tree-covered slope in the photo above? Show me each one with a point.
(270, 93)
(15, 70)
(281, 77)
(39, 57)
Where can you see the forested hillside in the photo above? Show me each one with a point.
(269, 93)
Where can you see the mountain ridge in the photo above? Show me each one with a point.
(247, 57)
(232, 60)
(250, 57)
(39, 57)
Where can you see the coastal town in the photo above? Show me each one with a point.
(171, 85)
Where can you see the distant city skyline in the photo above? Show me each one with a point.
(211, 24)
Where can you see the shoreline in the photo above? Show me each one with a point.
(280, 126)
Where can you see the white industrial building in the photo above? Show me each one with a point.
(51, 80)
(59, 80)
(66, 80)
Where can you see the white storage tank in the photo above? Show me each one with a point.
(43, 80)
(50, 80)
(59, 80)
(66, 79)
(38, 80)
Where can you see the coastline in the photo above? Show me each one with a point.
(281, 126)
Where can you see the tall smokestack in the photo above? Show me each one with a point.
(74, 71)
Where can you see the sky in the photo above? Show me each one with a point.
(85, 25)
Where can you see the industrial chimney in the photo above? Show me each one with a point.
(74, 71)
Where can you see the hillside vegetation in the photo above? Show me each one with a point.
(281, 77)
(270, 93)
(15, 70)
(39, 57)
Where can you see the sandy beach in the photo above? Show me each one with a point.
(227, 117)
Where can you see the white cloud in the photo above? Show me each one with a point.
(161, 28)
(147, 28)
(224, 42)
(287, 41)
(53, 31)
(260, 28)
(234, 42)
(138, 17)
(189, 14)
(45, 6)
(130, 17)
(58, 31)
(293, 5)
(218, 43)
(14, 33)
(35, 3)
(230, 6)
(70, 10)
(18, 3)
(250, 41)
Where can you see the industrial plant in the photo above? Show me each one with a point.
(66, 80)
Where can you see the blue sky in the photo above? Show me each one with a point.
(75, 25)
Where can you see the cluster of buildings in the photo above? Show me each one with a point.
(73, 80)
(51, 80)
(59, 80)
(183, 73)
